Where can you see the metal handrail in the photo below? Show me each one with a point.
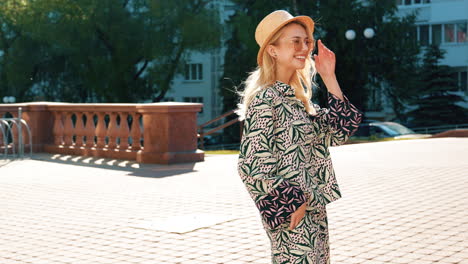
(5, 136)
(201, 134)
(216, 119)
(5, 139)
(18, 122)
(437, 129)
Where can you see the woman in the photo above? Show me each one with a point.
(284, 160)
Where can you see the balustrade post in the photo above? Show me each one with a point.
(124, 131)
(68, 130)
(169, 133)
(79, 130)
(112, 131)
(90, 130)
(136, 132)
(101, 131)
(58, 129)
(40, 121)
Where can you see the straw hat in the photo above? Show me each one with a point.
(272, 23)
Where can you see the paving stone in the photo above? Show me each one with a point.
(453, 259)
(401, 204)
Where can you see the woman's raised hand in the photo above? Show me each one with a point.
(325, 61)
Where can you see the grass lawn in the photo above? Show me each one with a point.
(221, 151)
(357, 141)
(350, 141)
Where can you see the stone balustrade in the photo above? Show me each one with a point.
(163, 133)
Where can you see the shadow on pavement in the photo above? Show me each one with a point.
(134, 168)
(4, 162)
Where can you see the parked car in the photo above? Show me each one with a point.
(209, 140)
(385, 130)
(369, 121)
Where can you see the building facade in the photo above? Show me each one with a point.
(444, 23)
(202, 73)
(440, 22)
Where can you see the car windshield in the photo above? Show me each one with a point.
(395, 129)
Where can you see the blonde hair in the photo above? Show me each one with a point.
(264, 76)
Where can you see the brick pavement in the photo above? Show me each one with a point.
(403, 202)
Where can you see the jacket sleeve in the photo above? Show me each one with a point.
(340, 120)
(275, 197)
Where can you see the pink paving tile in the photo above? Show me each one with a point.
(384, 209)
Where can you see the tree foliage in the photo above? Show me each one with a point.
(106, 50)
(386, 62)
(390, 57)
(436, 102)
(241, 54)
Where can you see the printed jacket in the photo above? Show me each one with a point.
(284, 157)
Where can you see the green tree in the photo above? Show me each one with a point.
(436, 104)
(107, 50)
(386, 62)
(241, 54)
(10, 13)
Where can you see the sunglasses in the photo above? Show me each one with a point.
(298, 44)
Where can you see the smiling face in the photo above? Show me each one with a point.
(292, 48)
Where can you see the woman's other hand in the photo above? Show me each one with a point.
(297, 216)
(325, 61)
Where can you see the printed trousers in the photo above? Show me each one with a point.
(308, 243)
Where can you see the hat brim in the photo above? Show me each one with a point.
(307, 21)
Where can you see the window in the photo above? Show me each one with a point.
(168, 99)
(449, 33)
(194, 71)
(436, 34)
(363, 131)
(455, 79)
(464, 81)
(413, 35)
(461, 32)
(412, 2)
(378, 132)
(461, 80)
(424, 35)
(194, 100)
(445, 33)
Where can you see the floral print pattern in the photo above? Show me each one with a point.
(284, 161)
(280, 203)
